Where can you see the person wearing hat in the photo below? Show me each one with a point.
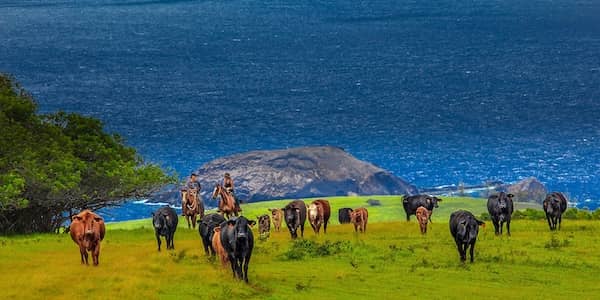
(191, 183)
(228, 185)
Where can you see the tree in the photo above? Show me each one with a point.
(54, 165)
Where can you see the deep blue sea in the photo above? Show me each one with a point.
(438, 92)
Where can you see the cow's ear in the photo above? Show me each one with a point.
(438, 199)
(230, 222)
(510, 195)
(76, 217)
(98, 219)
(428, 200)
(269, 209)
(153, 214)
(251, 222)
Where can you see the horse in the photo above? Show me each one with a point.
(193, 206)
(227, 205)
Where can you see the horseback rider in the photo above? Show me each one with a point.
(228, 185)
(191, 183)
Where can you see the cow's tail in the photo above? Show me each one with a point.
(480, 223)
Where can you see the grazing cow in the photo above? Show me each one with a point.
(165, 222)
(295, 216)
(411, 203)
(555, 205)
(500, 207)
(277, 216)
(464, 228)
(264, 225)
(422, 218)
(238, 241)
(359, 218)
(87, 230)
(344, 215)
(206, 229)
(318, 213)
(218, 246)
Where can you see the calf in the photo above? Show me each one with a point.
(422, 218)
(344, 215)
(295, 217)
(277, 217)
(359, 218)
(555, 205)
(87, 230)
(238, 241)
(411, 203)
(264, 226)
(500, 207)
(206, 230)
(464, 228)
(318, 214)
(218, 247)
(165, 222)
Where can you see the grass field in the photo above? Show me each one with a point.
(391, 261)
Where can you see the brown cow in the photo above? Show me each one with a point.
(318, 213)
(359, 218)
(277, 217)
(422, 217)
(87, 230)
(216, 244)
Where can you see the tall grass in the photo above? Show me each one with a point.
(391, 261)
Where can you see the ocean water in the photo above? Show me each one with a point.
(438, 92)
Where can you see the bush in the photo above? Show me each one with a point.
(302, 248)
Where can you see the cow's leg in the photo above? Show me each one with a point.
(508, 227)
(96, 254)
(365, 227)
(549, 221)
(407, 217)
(194, 221)
(471, 250)
(324, 227)
(355, 227)
(83, 254)
(559, 221)
(314, 227)
(172, 236)
(501, 225)
(461, 252)
(187, 218)
(246, 263)
(302, 230)
(495, 222)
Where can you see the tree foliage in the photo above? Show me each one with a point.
(56, 164)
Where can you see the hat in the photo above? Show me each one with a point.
(194, 173)
(227, 175)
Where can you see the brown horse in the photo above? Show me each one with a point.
(227, 205)
(193, 207)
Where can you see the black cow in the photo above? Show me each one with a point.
(208, 223)
(555, 205)
(500, 207)
(164, 221)
(344, 215)
(295, 216)
(237, 240)
(411, 203)
(464, 228)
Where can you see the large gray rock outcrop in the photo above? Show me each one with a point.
(300, 173)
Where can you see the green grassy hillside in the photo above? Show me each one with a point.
(391, 261)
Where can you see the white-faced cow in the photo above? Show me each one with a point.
(164, 221)
(318, 214)
(500, 207)
(555, 205)
(87, 230)
(295, 217)
(464, 228)
(208, 223)
(238, 241)
(411, 203)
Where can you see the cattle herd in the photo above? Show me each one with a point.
(232, 240)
